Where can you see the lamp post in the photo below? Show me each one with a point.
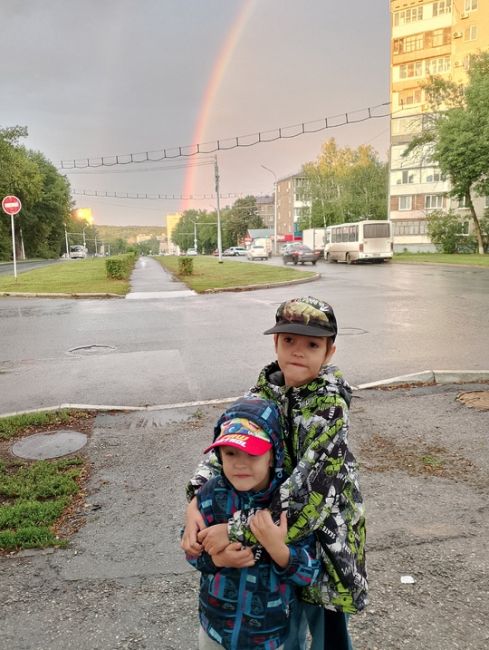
(219, 241)
(274, 207)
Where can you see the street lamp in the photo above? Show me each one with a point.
(66, 242)
(274, 208)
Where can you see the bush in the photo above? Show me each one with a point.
(185, 266)
(120, 267)
(446, 231)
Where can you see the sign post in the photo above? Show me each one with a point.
(11, 205)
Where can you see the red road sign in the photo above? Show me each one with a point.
(11, 205)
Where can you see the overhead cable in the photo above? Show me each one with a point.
(281, 133)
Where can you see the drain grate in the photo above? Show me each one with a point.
(94, 348)
(478, 399)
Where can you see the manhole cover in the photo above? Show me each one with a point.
(41, 446)
(95, 348)
(351, 331)
(478, 399)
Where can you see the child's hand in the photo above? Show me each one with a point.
(193, 523)
(271, 536)
(214, 539)
(234, 556)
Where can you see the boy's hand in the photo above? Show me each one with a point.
(194, 522)
(234, 556)
(214, 539)
(271, 536)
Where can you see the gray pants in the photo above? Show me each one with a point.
(206, 643)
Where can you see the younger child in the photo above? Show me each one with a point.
(322, 494)
(244, 598)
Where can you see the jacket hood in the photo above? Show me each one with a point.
(330, 380)
(266, 415)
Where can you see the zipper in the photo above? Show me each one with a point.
(239, 609)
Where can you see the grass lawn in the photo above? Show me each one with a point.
(442, 258)
(209, 274)
(69, 276)
(37, 498)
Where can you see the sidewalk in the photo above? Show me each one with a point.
(123, 582)
(150, 280)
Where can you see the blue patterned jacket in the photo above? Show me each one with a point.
(248, 608)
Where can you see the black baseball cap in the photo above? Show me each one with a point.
(306, 316)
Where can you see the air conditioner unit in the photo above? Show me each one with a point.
(465, 15)
(457, 34)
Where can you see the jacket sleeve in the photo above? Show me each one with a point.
(313, 490)
(207, 469)
(303, 567)
(203, 563)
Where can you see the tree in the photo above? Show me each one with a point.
(456, 135)
(238, 219)
(344, 185)
(448, 233)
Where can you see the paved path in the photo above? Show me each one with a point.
(149, 280)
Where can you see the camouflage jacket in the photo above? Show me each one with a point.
(322, 494)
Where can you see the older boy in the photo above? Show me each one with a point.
(245, 599)
(322, 494)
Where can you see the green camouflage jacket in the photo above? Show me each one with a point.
(322, 495)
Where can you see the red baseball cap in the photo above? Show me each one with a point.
(243, 434)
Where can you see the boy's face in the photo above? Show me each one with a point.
(244, 471)
(300, 357)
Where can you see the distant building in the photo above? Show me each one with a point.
(428, 38)
(171, 223)
(265, 207)
(290, 206)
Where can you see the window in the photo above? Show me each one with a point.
(470, 5)
(407, 176)
(413, 43)
(470, 33)
(437, 66)
(409, 227)
(414, 69)
(486, 204)
(442, 7)
(462, 203)
(434, 177)
(376, 230)
(433, 201)
(405, 202)
(408, 16)
(410, 96)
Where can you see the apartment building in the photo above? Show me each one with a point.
(265, 207)
(428, 38)
(290, 206)
(172, 221)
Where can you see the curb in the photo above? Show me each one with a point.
(418, 378)
(272, 285)
(16, 294)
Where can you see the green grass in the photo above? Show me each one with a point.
(442, 258)
(69, 276)
(11, 426)
(210, 274)
(32, 498)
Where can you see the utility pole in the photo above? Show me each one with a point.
(275, 235)
(195, 236)
(219, 242)
(66, 242)
(22, 244)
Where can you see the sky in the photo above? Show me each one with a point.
(115, 77)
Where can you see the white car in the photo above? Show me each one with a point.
(191, 251)
(257, 252)
(234, 251)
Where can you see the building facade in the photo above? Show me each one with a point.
(265, 207)
(290, 206)
(171, 223)
(428, 38)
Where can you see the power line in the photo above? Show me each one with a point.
(261, 137)
(197, 163)
(157, 197)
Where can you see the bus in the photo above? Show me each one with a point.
(78, 252)
(359, 241)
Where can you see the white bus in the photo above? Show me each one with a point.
(361, 241)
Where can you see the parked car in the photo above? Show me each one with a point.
(299, 254)
(191, 251)
(235, 251)
(257, 252)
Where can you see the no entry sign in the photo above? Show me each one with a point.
(11, 205)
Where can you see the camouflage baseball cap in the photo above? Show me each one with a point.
(306, 316)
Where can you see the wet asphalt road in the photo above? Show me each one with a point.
(393, 319)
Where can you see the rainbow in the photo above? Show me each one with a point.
(222, 61)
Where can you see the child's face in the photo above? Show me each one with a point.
(244, 471)
(300, 357)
